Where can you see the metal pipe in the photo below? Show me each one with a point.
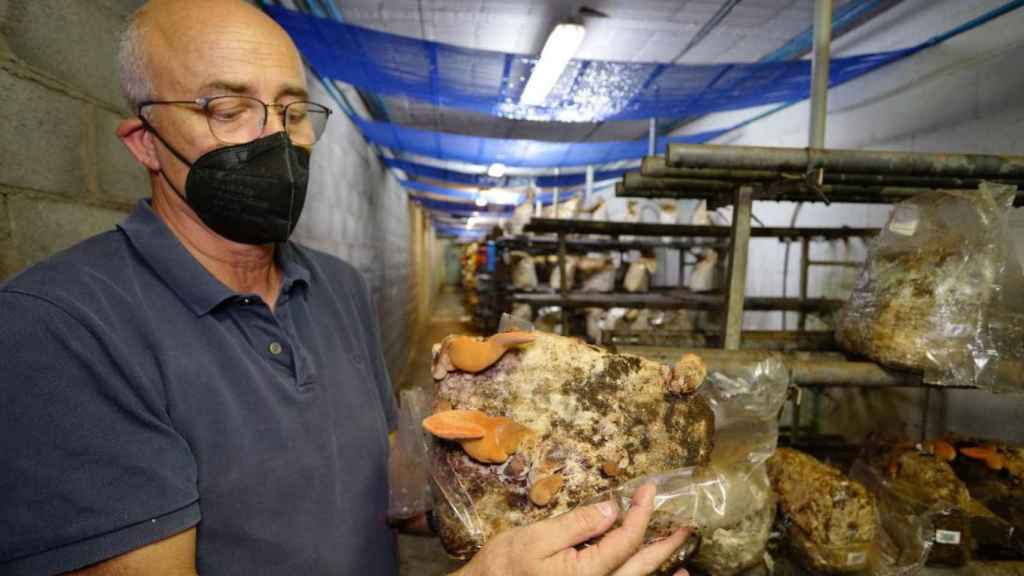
(804, 160)
(566, 226)
(819, 74)
(589, 190)
(662, 301)
(652, 137)
(563, 286)
(750, 340)
(797, 192)
(637, 181)
(805, 260)
(656, 167)
(557, 173)
(814, 369)
(736, 279)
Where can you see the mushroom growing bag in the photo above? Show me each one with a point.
(941, 292)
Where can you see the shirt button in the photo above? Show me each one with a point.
(275, 348)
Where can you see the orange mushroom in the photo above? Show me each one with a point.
(472, 355)
(987, 454)
(544, 489)
(487, 439)
(942, 450)
(687, 375)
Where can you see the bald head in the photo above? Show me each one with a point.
(172, 48)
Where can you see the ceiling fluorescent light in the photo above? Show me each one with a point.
(496, 170)
(560, 47)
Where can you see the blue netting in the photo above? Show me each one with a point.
(483, 180)
(468, 198)
(461, 208)
(525, 153)
(588, 91)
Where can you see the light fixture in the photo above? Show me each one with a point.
(481, 201)
(496, 170)
(559, 48)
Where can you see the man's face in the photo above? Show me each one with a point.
(203, 49)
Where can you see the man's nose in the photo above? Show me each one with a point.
(275, 121)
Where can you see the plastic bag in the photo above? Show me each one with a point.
(830, 521)
(940, 292)
(408, 470)
(730, 501)
(555, 280)
(638, 275)
(524, 272)
(908, 522)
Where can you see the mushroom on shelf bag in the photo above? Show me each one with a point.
(940, 292)
(527, 425)
(908, 522)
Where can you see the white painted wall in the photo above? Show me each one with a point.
(966, 95)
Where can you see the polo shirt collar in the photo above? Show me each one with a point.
(182, 273)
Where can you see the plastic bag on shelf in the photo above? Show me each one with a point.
(638, 275)
(524, 272)
(408, 469)
(830, 521)
(940, 292)
(908, 522)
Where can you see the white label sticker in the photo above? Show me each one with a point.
(947, 537)
(904, 220)
(856, 558)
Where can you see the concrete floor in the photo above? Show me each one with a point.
(424, 556)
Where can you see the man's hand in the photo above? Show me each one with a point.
(547, 547)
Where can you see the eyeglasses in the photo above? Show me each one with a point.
(240, 119)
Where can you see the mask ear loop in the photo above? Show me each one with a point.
(149, 127)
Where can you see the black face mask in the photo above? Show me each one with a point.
(251, 193)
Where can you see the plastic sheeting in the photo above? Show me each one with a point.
(588, 90)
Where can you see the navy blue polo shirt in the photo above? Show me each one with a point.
(139, 397)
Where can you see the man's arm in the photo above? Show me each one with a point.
(174, 556)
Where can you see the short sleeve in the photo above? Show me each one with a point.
(377, 361)
(91, 467)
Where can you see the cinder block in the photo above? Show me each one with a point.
(40, 146)
(41, 227)
(10, 262)
(121, 177)
(122, 8)
(69, 39)
(5, 219)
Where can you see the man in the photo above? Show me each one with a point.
(192, 393)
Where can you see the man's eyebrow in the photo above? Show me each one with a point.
(293, 91)
(224, 86)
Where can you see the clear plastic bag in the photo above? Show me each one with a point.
(408, 469)
(730, 501)
(940, 292)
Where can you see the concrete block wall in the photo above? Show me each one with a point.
(64, 175)
(961, 96)
(357, 211)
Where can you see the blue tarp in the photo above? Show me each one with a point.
(588, 91)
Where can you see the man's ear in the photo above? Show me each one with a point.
(139, 141)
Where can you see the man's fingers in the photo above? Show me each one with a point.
(620, 544)
(650, 557)
(561, 532)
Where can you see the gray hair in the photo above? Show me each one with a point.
(131, 59)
